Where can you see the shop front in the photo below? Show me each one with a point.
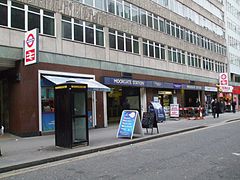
(126, 94)
(236, 96)
(47, 81)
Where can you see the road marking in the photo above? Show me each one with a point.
(237, 154)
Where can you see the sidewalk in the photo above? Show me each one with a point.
(25, 152)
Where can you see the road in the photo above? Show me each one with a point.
(206, 154)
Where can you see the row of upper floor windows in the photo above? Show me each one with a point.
(134, 13)
(233, 26)
(26, 17)
(234, 43)
(20, 16)
(234, 59)
(194, 16)
(233, 10)
(210, 8)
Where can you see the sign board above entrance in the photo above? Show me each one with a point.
(31, 45)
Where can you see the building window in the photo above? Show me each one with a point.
(89, 2)
(111, 6)
(143, 17)
(128, 43)
(127, 11)
(100, 4)
(135, 16)
(120, 41)
(3, 13)
(135, 45)
(99, 35)
(150, 20)
(48, 23)
(123, 41)
(119, 8)
(17, 16)
(112, 39)
(89, 33)
(66, 27)
(145, 48)
(161, 25)
(33, 18)
(78, 30)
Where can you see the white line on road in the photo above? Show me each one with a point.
(237, 154)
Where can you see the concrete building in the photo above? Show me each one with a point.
(168, 50)
(232, 23)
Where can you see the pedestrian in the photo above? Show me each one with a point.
(233, 106)
(215, 108)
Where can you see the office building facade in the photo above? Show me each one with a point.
(168, 50)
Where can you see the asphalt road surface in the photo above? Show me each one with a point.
(206, 154)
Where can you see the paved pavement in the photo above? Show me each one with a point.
(20, 152)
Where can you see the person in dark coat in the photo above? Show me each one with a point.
(233, 106)
(215, 108)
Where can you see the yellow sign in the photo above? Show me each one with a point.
(60, 87)
(78, 86)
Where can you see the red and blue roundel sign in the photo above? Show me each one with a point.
(30, 40)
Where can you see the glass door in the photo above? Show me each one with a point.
(79, 119)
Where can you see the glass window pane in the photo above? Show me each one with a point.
(145, 49)
(135, 15)
(127, 11)
(78, 33)
(33, 21)
(119, 8)
(150, 21)
(120, 43)
(3, 15)
(157, 55)
(161, 23)
(100, 38)
(136, 47)
(99, 4)
(162, 52)
(89, 2)
(143, 18)
(48, 26)
(66, 30)
(128, 45)
(112, 41)
(151, 51)
(111, 7)
(89, 36)
(17, 18)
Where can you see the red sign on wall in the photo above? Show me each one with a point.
(223, 79)
(31, 47)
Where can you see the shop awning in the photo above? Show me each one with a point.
(92, 84)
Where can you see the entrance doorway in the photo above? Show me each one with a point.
(122, 98)
(4, 100)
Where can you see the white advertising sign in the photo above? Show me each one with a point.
(31, 47)
(174, 110)
(223, 79)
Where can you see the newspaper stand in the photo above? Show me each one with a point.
(71, 118)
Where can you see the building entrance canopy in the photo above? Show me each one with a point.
(92, 84)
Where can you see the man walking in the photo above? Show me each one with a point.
(215, 108)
